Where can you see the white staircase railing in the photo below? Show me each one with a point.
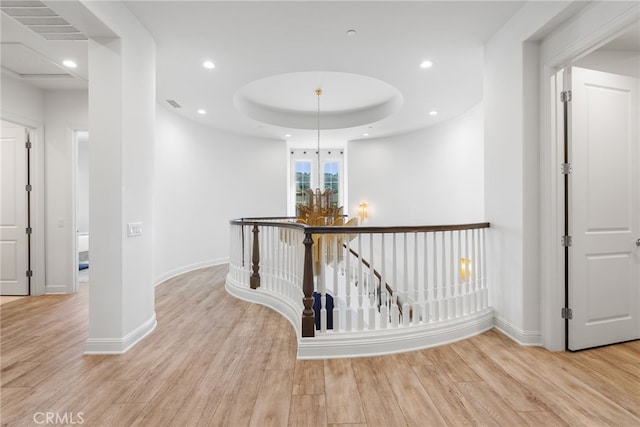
(364, 290)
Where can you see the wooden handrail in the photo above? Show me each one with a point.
(270, 221)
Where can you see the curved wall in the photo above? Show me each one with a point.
(428, 177)
(204, 178)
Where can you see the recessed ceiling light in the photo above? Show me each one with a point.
(69, 63)
(209, 65)
(288, 135)
(365, 134)
(352, 33)
(201, 111)
(426, 64)
(433, 113)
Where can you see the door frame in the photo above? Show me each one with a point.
(552, 257)
(75, 287)
(38, 264)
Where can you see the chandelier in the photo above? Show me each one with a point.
(319, 209)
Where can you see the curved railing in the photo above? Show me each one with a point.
(364, 290)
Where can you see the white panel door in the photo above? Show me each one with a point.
(13, 213)
(604, 262)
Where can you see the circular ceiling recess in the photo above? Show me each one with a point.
(290, 100)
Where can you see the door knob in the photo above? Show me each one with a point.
(638, 242)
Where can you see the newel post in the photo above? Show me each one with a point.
(254, 281)
(308, 315)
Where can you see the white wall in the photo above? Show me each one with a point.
(21, 103)
(433, 176)
(623, 62)
(64, 112)
(511, 89)
(203, 179)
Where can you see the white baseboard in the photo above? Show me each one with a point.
(366, 343)
(376, 343)
(120, 345)
(56, 289)
(187, 268)
(522, 337)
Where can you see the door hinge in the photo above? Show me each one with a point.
(29, 273)
(565, 96)
(566, 168)
(567, 313)
(28, 145)
(28, 187)
(566, 241)
(29, 230)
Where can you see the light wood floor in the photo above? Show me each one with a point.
(216, 360)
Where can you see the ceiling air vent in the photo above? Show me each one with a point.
(173, 103)
(36, 16)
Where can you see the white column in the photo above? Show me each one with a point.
(121, 125)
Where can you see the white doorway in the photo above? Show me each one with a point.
(15, 224)
(603, 205)
(81, 190)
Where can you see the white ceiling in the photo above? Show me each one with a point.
(272, 56)
(251, 41)
(37, 60)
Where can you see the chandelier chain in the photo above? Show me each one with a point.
(318, 92)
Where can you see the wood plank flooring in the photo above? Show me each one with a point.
(215, 360)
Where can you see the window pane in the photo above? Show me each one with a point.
(332, 179)
(303, 180)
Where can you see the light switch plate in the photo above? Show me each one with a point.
(134, 229)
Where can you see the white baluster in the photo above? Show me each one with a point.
(394, 265)
(322, 287)
(473, 273)
(435, 312)
(360, 325)
(483, 269)
(289, 250)
(406, 318)
(372, 286)
(465, 285)
(451, 302)
(459, 297)
(274, 255)
(426, 288)
(384, 307)
(336, 294)
(443, 284)
(416, 296)
(347, 263)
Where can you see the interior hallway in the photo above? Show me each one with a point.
(216, 360)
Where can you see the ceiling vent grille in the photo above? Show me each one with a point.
(36, 16)
(173, 103)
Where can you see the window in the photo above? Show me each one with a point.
(332, 179)
(304, 175)
(303, 179)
